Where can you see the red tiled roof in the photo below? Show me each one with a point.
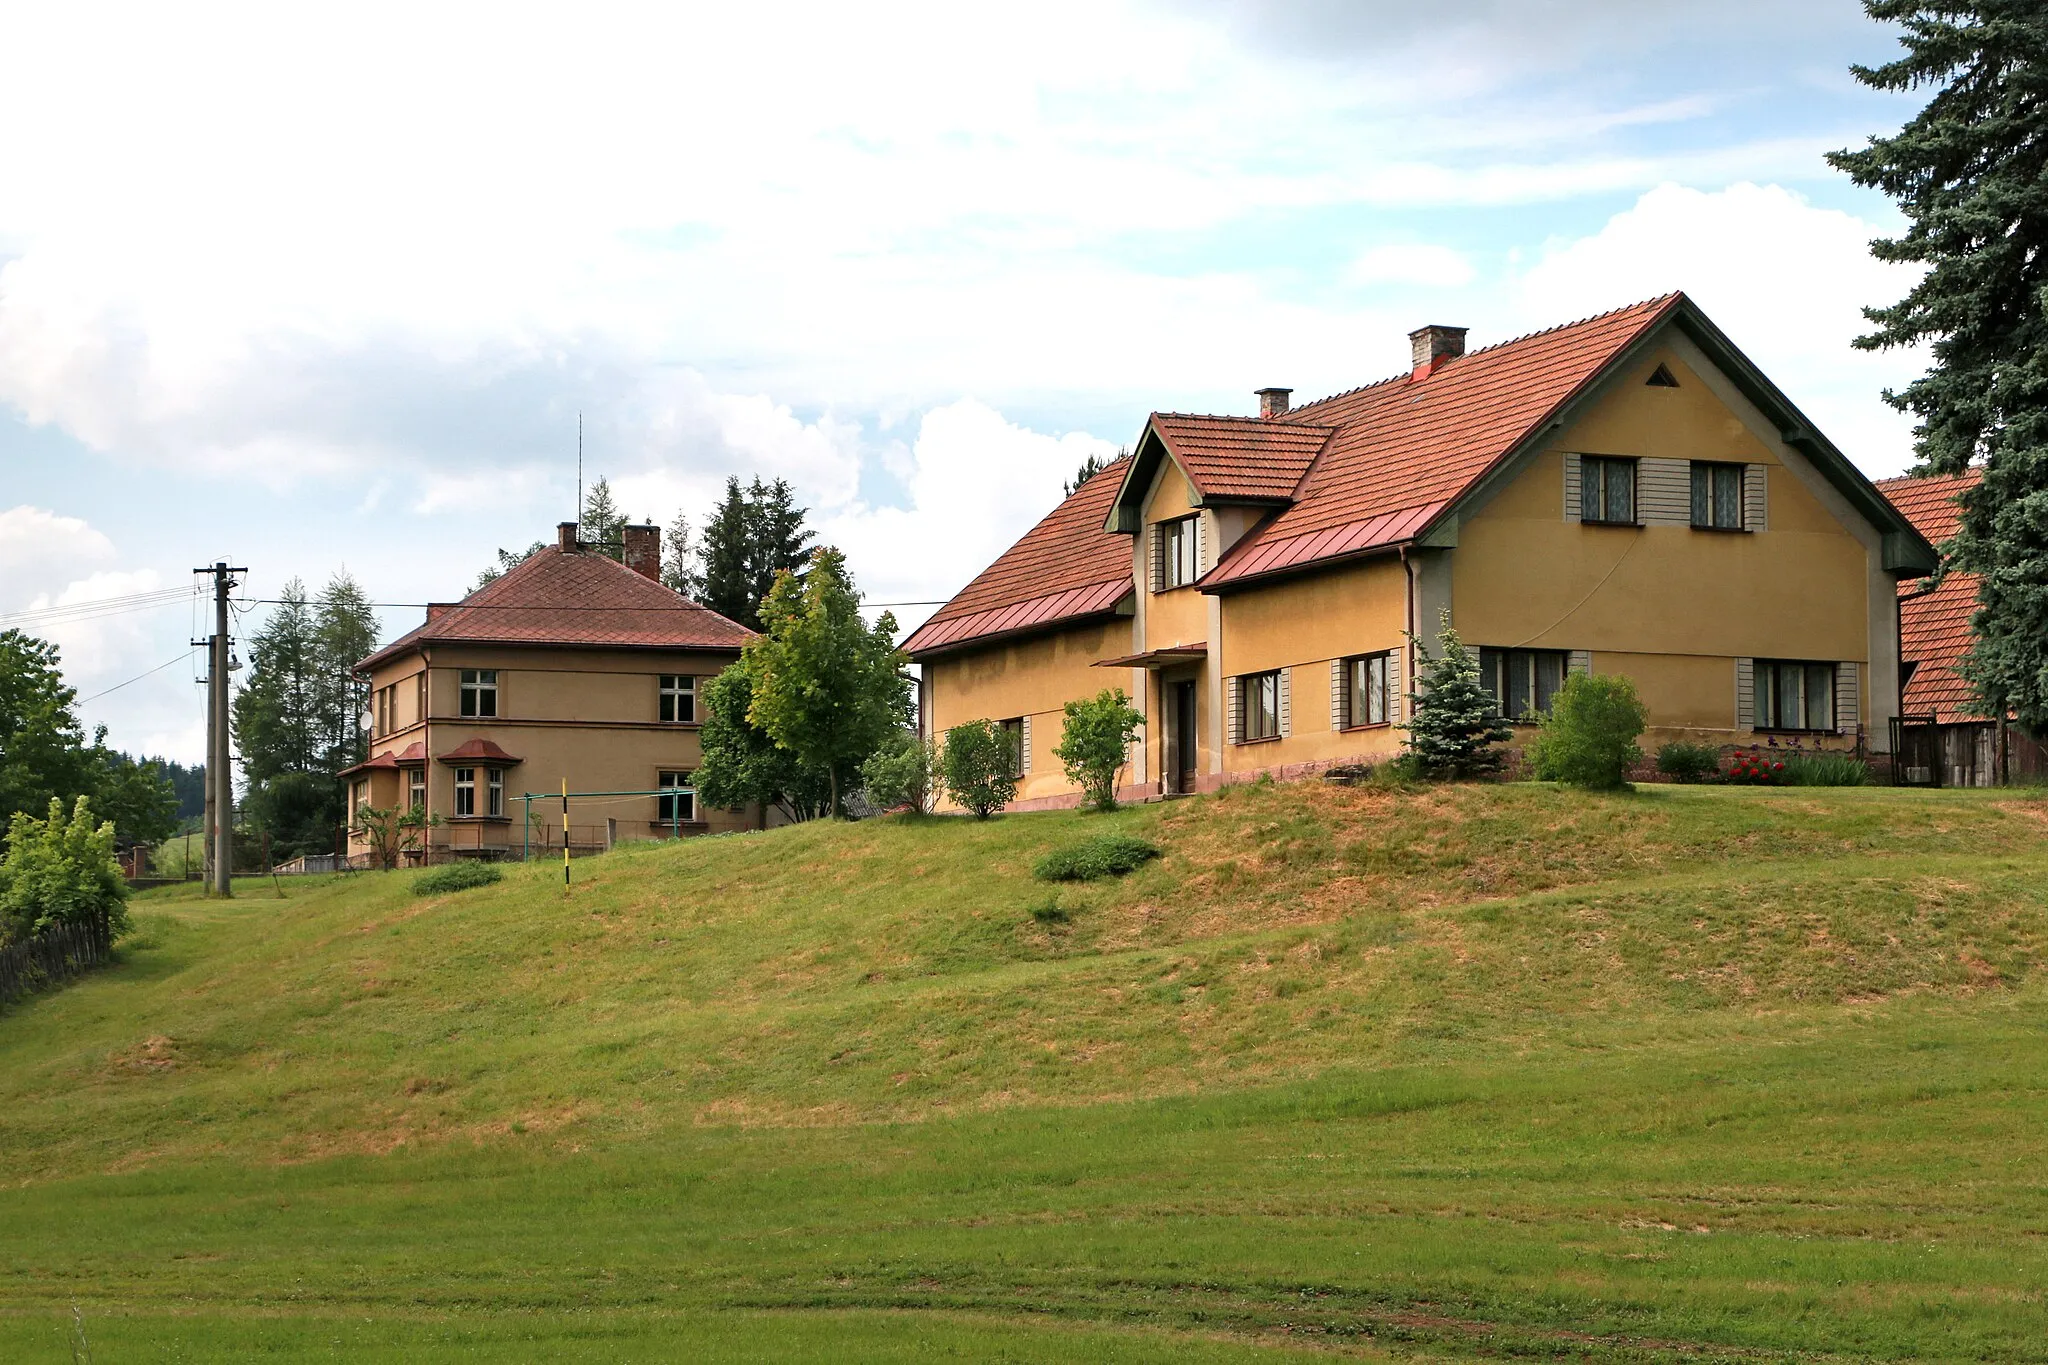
(1934, 627)
(1065, 568)
(1241, 457)
(581, 598)
(1405, 449)
(477, 749)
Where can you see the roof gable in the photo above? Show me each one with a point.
(569, 598)
(1064, 569)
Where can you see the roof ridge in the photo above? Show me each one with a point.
(1235, 417)
(1484, 350)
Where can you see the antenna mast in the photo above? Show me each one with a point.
(579, 473)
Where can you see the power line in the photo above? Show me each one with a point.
(137, 678)
(513, 606)
(96, 607)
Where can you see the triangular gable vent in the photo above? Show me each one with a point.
(1660, 378)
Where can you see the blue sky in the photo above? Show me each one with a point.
(319, 289)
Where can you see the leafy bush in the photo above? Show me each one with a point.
(980, 773)
(1589, 737)
(1683, 762)
(1107, 855)
(1456, 723)
(1825, 770)
(1097, 743)
(903, 772)
(61, 870)
(456, 877)
(1755, 770)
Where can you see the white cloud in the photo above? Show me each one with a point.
(1411, 263)
(97, 647)
(977, 482)
(40, 551)
(1784, 279)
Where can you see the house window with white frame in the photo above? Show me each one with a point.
(678, 699)
(1179, 552)
(1367, 690)
(1523, 681)
(465, 791)
(677, 803)
(1259, 706)
(416, 788)
(495, 786)
(479, 691)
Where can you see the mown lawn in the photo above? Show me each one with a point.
(1470, 1072)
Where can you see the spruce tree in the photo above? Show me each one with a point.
(754, 535)
(1454, 721)
(1970, 172)
(725, 580)
(344, 633)
(603, 525)
(777, 541)
(680, 571)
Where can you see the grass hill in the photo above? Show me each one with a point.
(1467, 1071)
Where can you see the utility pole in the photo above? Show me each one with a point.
(220, 781)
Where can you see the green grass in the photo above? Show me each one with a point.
(1691, 1073)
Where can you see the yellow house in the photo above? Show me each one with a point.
(571, 668)
(1626, 494)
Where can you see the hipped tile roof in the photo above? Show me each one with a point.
(559, 597)
(1934, 627)
(1065, 568)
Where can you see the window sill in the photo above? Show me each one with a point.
(1171, 587)
(1775, 730)
(1723, 530)
(1614, 525)
(677, 824)
(1370, 725)
(479, 819)
(680, 724)
(1262, 739)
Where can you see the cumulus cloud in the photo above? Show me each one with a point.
(40, 551)
(1411, 263)
(1784, 278)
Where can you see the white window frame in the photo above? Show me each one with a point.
(494, 785)
(479, 689)
(675, 785)
(1770, 678)
(416, 787)
(1180, 552)
(465, 792)
(678, 693)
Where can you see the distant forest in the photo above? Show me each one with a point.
(188, 783)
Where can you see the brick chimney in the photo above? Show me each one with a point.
(643, 550)
(1273, 402)
(565, 536)
(1431, 346)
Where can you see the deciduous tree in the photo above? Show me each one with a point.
(981, 771)
(1096, 743)
(742, 765)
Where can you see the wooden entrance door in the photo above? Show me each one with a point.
(1181, 746)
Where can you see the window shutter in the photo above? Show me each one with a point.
(1664, 493)
(1397, 686)
(1580, 661)
(1286, 708)
(1571, 488)
(1025, 725)
(1233, 690)
(1745, 694)
(1754, 482)
(1340, 705)
(1157, 545)
(1847, 698)
(1201, 545)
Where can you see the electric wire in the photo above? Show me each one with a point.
(136, 679)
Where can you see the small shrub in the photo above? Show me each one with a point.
(1825, 770)
(980, 772)
(903, 772)
(61, 870)
(1108, 855)
(1096, 743)
(1755, 770)
(1683, 762)
(1454, 728)
(456, 877)
(1589, 737)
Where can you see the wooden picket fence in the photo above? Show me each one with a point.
(51, 956)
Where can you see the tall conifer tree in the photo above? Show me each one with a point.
(1971, 174)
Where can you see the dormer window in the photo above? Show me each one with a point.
(1176, 553)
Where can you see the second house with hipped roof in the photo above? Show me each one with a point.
(573, 668)
(1627, 494)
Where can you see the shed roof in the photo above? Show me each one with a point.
(1934, 626)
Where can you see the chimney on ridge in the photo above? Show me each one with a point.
(1431, 346)
(643, 550)
(1273, 402)
(565, 536)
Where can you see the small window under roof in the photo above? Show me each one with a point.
(1660, 378)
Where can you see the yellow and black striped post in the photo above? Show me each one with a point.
(565, 832)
